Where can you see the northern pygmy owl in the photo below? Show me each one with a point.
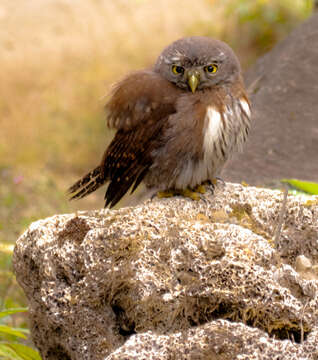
(177, 123)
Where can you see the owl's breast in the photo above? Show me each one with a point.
(196, 151)
(223, 132)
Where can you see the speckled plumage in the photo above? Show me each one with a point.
(169, 136)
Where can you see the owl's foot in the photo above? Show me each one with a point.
(200, 189)
(166, 194)
(215, 180)
(192, 193)
(189, 193)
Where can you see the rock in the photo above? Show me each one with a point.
(175, 279)
(283, 88)
(302, 263)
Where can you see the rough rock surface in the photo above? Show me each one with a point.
(283, 142)
(176, 279)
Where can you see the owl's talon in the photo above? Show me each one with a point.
(190, 194)
(200, 189)
(218, 179)
(165, 194)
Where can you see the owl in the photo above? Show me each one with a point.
(176, 123)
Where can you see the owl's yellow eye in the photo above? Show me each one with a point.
(212, 68)
(177, 70)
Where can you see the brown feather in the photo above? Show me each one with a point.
(87, 184)
(136, 98)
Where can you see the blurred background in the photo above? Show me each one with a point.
(59, 59)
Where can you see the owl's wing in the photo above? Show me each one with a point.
(138, 108)
(127, 160)
(140, 98)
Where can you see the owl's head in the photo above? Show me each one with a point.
(197, 63)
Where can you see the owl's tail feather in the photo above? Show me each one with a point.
(87, 184)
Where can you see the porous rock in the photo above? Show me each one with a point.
(176, 279)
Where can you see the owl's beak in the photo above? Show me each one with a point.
(193, 80)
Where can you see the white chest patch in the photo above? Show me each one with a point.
(246, 107)
(213, 129)
(194, 173)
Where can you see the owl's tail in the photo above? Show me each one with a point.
(87, 184)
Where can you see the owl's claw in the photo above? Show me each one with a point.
(220, 179)
(200, 189)
(192, 194)
(189, 193)
(166, 194)
(212, 183)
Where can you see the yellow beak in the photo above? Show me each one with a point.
(193, 81)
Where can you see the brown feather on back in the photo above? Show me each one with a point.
(139, 98)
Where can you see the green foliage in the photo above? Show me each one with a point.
(14, 351)
(10, 348)
(8, 312)
(304, 186)
(9, 330)
(265, 22)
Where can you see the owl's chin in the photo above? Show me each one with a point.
(187, 89)
(183, 86)
(202, 86)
